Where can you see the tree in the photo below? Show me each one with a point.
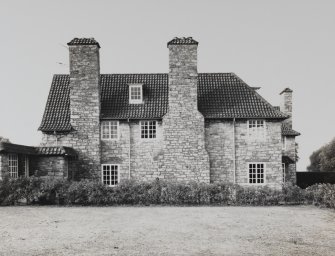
(2, 139)
(323, 160)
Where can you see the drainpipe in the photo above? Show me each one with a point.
(129, 151)
(234, 150)
(55, 133)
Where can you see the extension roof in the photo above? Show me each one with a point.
(6, 147)
(287, 131)
(220, 96)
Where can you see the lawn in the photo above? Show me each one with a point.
(296, 230)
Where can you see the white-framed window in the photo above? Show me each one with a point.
(256, 173)
(26, 166)
(148, 129)
(256, 129)
(283, 170)
(13, 165)
(135, 93)
(110, 174)
(109, 130)
(283, 142)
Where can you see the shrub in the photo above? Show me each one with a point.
(321, 195)
(293, 194)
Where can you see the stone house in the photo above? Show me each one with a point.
(181, 125)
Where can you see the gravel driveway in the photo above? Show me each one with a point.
(298, 230)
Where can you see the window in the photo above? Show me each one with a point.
(283, 169)
(13, 165)
(283, 141)
(135, 94)
(110, 130)
(256, 129)
(110, 174)
(26, 166)
(148, 129)
(256, 173)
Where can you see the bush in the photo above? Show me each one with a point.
(34, 190)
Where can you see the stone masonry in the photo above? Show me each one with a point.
(185, 157)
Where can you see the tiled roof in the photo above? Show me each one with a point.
(220, 95)
(83, 41)
(52, 151)
(287, 131)
(182, 40)
(57, 110)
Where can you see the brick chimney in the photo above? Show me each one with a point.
(286, 105)
(185, 156)
(85, 104)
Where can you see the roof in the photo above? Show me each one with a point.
(41, 151)
(52, 151)
(83, 41)
(287, 131)
(15, 148)
(220, 95)
(182, 40)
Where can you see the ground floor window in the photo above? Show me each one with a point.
(283, 170)
(110, 174)
(13, 165)
(256, 173)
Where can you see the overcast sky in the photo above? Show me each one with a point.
(271, 44)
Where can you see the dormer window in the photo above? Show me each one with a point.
(135, 94)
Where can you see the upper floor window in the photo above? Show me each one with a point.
(256, 173)
(256, 129)
(148, 129)
(110, 130)
(110, 174)
(13, 165)
(135, 94)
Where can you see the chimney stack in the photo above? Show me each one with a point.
(286, 105)
(85, 103)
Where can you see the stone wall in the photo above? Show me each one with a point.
(3, 165)
(144, 153)
(219, 144)
(85, 107)
(50, 166)
(185, 157)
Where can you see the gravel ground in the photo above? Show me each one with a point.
(298, 230)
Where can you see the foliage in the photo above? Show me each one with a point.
(35, 190)
(323, 159)
(3, 139)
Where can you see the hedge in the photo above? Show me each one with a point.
(34, 190)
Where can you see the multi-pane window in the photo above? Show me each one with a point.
(13, 165)
(284, 174)
(148, 129)
(135, 94)
(256, 173)
(110, 174)
(110, 130)
(256, 129)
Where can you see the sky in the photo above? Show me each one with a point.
(269, 44)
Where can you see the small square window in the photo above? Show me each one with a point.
(110, 130)
(148, 129)
(135, 94)
(110, 174)
(256, 129)
(256, 173)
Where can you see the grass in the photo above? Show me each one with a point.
(289, 230)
